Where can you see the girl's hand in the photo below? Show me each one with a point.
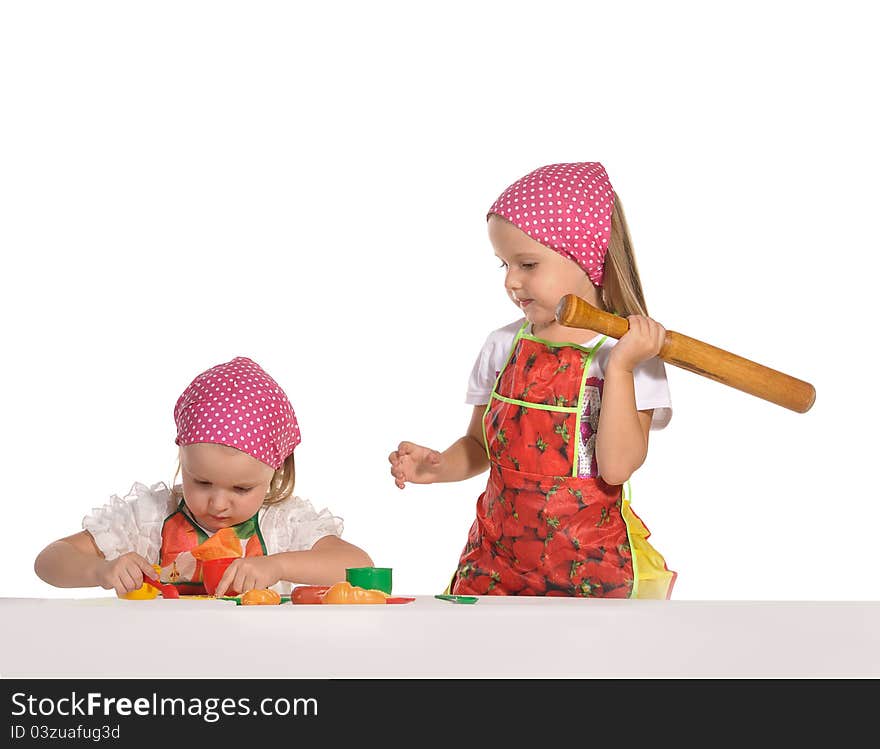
(247, 574)
(124, 574)
(414, 463)
(643, 340)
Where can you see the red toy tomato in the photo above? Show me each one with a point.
(212, 571)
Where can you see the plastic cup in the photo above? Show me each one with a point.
(212, 571)
(371, 578)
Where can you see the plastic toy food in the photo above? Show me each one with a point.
(305, 594)
(224, 543)
(308, 593)
(212, 572)
(371, 578)
(261, 597)
(167, 591)
(345, 592)
(146, 592)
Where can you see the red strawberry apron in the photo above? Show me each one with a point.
(541, 528)
(180, 535)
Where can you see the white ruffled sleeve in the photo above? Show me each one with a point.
(294, 525)
(131, 523)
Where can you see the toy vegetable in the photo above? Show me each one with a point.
(345, 592)
(260, 597)
(212, 573)
(146, 592)
(308, 593)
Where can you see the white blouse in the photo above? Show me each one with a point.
(134, 523)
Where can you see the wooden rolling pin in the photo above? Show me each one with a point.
(696, 356)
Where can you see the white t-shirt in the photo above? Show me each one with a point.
(649, 377)
(134, 523)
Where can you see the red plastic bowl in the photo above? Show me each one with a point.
(212, 571)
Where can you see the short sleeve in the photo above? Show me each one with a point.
(131, 523)
(489, 363)
(649, 383)
(295, 525)
(652, 391)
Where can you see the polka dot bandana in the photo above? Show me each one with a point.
(239, 405)
(566, 207)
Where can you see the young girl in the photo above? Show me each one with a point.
(236, 430)
(561, 415)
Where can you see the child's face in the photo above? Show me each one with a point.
(222, 486)
(536, 276)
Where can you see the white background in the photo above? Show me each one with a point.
(306, 184)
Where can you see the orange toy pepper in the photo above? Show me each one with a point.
(260, 597)
(345, 592)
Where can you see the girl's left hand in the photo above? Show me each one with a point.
(642, 341)
(247, 574)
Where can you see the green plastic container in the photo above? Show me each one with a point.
(371, 578)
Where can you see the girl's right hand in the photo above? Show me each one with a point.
(124, 574)
(414, 463)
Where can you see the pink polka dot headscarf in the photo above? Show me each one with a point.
(239, 405)
(566, 207)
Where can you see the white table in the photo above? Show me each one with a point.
(496, 637)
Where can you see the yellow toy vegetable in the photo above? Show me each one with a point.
(145, 592)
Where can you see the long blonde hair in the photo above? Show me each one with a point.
(621, 285)
(280, 487)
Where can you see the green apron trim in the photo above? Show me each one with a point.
(539, 406)
(260, 534)
(558, 344)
